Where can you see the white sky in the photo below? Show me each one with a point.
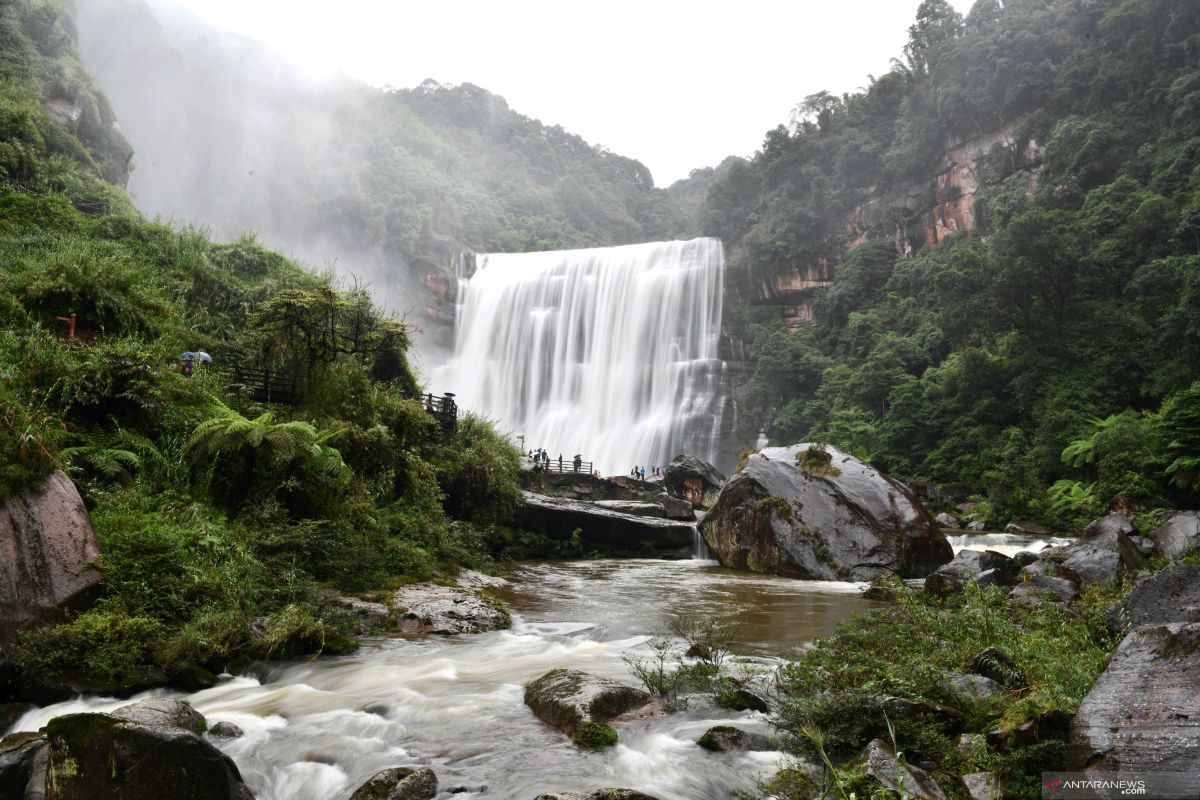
(677, 85)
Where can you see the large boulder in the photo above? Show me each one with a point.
(1172, 595)
(448, 610)
(1111, 523)
(1142, 716)
(558, 518)
(691, 479)
(576, 703)
(399, 783)
(1178, 536)
(1103, 558)
(104, 757)
(812, 512)
(675, 508)
(47, 550)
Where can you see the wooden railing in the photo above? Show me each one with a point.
(565, 467)
(266, 386)
(444, 409)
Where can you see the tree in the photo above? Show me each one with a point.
(937, 25)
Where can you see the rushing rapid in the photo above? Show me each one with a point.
(316, 730)
(611, 353)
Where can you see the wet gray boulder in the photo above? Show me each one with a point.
(576, 703)
(983, 785)
(447, 610)
(1143, 713)
(882, 764)
(1103, 558)
(1034, 588)
(728, 739)
(22, 764)
(104, 757)
(674, 508)
(693, 480)
(971, 687)
(1110, 524)
(809, 512)
(945, 520)
(557, 518)
(1178, 536)
(226, 730)
(47, 550)
(399, 783)
(1172, 595)
(599, 794)
(169, 712)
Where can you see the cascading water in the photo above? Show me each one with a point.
(610, 353)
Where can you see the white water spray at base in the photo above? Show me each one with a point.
(610, 353)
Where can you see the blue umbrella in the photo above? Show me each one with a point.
(204, 357)
(187, 355)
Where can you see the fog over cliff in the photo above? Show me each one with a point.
(230, 137)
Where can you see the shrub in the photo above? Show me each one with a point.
(103, 650)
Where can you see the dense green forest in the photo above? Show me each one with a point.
(392, 184)
(224, 523)
(1049, 357)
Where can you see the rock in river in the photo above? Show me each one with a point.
(448, 610)
(399, 783)
(577, 703)
(599, 794)
(557, 517)
(813, 512)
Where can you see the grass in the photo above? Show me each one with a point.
(833, 699)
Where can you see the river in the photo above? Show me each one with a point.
(316, 730)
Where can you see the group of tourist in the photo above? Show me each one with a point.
(542, 461)
(639, 473)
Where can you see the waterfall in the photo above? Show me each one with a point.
(699, 546)
(611, 353)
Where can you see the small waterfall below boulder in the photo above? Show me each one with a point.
(611, 353)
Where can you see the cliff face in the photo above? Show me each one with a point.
(913, 216)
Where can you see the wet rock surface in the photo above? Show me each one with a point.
(728, 739)
(674, 508)
(399, 783)
(447, 610)
(566, 699)
(168, 712)
(104, 757)
(1103, 558)
(882, 764)
(19, 767)
(1037, 587)
(47, 550)
(557, 518)
(839, 520)
(635, 507)
(1178, 536)
(1143, 713)
(1113, 523)
(698, 482)
(1172, 595)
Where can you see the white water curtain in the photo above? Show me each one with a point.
(611, 353)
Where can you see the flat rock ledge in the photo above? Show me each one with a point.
(581, 705)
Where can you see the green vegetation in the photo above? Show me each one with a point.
(834, 699)
(590, 736)
(222, 519)
(1059, 341)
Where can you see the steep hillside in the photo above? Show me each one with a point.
(989, 255)
(389, 184)
(224, 520)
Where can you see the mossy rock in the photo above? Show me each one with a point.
(399, 783)
(102, 757)
(590, 736)
(567, 700)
